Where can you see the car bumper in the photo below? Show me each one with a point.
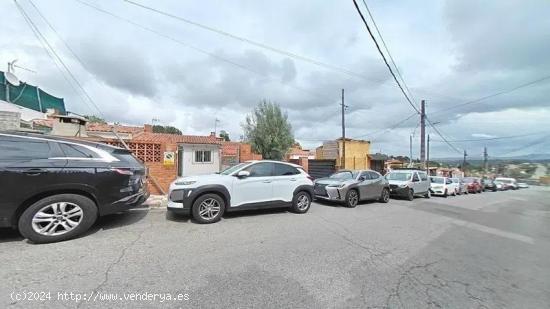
(125, 203)
(398, 191)
(437, 191)
(332, 194)
(180, 201)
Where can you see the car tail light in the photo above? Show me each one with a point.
(123, 171)
(310, 178)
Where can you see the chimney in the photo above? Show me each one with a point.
(148, 128)
(213, 134)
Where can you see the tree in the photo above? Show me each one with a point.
(225, 135)
(166, 129)
(268, 130)
(95, 119)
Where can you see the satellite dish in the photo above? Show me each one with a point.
(12, 79)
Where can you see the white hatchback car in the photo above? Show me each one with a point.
(443, 186)
(248, 185)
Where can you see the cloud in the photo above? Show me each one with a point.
(118, 65)
(448, 52)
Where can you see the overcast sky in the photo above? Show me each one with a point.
(449, 52)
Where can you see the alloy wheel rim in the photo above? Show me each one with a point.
(209, 209)
(57, 218)
(303, 202)
(353, 198)
(386, 196)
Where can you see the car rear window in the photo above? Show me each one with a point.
(127, 157)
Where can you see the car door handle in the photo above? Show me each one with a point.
(292, 179)
(266, 181)
(34, 171)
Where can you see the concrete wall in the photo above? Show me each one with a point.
(27, 114)
(9, 120)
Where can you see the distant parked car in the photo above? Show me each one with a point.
(53, 189)
(350, 187)
(443, 186)
(523, 185)
(474, 184)
(508, 183)
(462, 187)
(409, 183)
(499, 185)
(258, 184)
(489, 184)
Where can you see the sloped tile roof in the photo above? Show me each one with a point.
(101, 127)
(148, 137)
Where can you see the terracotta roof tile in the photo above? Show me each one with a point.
(174, 138)
(101, 127)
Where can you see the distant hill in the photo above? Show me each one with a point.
(535, 157)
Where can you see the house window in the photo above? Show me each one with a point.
(203, 156)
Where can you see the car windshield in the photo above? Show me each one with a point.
(468, 180)
(399, 176)
(233, 168)
(455, 180)
(437, 179)
(505, 180)
(344, 175)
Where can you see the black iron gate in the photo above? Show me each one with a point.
(321, 168)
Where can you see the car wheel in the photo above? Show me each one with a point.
(352, 198)
(385, 196)
(445, 194)
(410, 195)
(301, 202)
(57, 218)
(454, 193)
(208, 208)
(428, 194)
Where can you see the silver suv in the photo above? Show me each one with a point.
(409, 183)
(350, 187)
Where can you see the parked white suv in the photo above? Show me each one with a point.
(409, 183)
(248, 185)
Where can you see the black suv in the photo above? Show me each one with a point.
(54, 189)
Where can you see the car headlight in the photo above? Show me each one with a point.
(185, 182)
(403, 185)
(337, 186)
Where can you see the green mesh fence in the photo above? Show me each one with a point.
(30, 97)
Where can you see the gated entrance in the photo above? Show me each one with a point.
(321, 168)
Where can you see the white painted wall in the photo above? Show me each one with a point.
(27, 114)
(192, 168)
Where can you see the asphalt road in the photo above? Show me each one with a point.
(489, 250)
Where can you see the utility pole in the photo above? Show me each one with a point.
(343, 163)
(485, 161)
(464, 162)
(428, 156)
(423, 131)
(410, 150)
(216, 125)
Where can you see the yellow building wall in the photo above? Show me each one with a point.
(357, 153)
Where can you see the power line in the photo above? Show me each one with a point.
(393, 126)
(441, 135)
(493, 95)
(61, 61)
(492, 138)
(48, 48)
(200, 50)
(383, 57)
(388, 50)
(540, 141)
(251, 42)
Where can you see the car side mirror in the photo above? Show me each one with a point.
(243, 174)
